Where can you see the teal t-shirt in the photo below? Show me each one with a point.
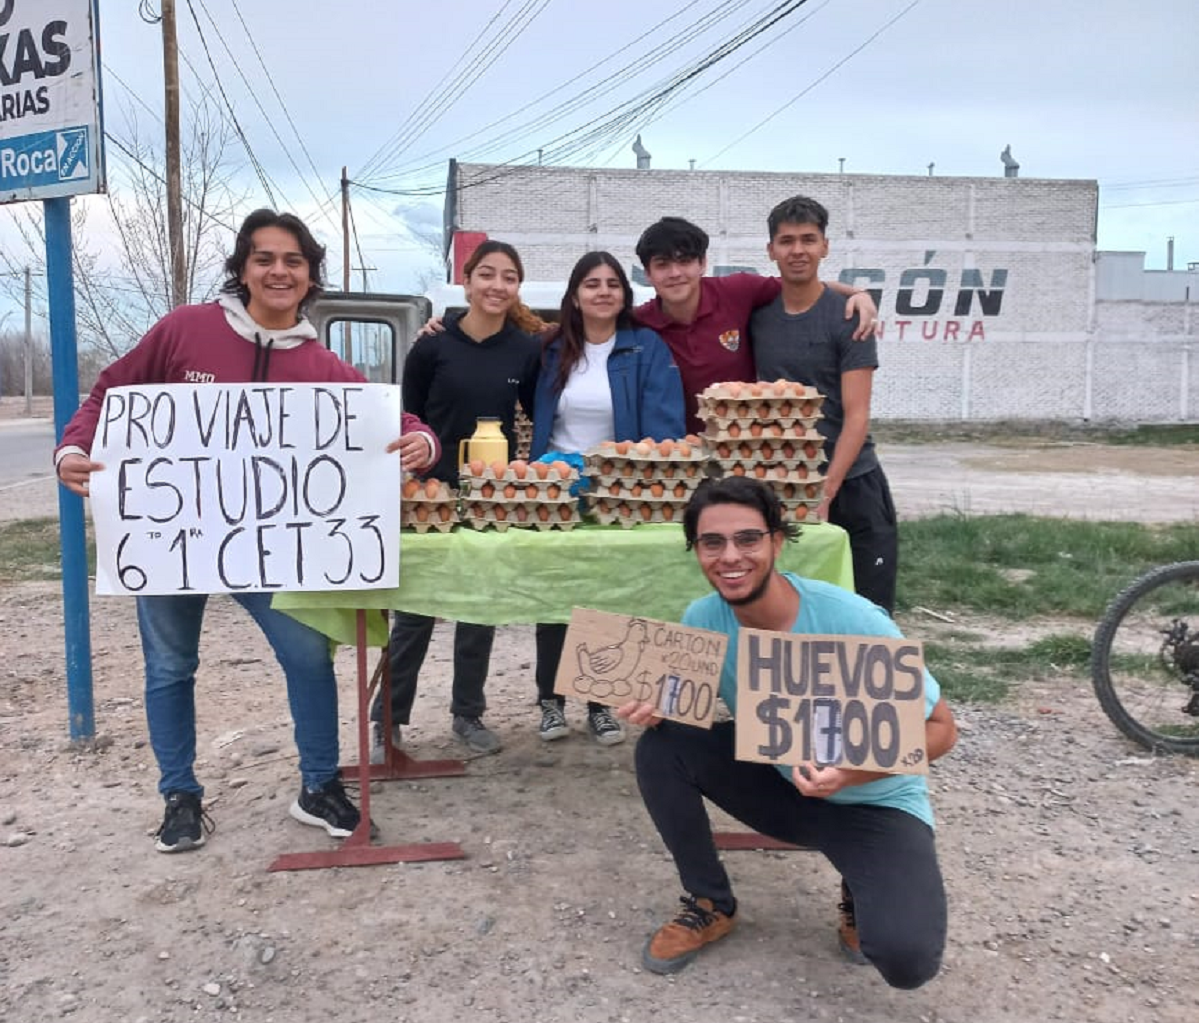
(831, 611)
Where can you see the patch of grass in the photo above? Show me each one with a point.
(957, 562)
(1007, 433)
(30, 551)
(985, 674)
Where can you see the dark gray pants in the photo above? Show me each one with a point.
(886, 856)
(863, 508)
(407, 647)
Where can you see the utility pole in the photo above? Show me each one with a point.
(28, 342)
(347, 347)
(174, 189)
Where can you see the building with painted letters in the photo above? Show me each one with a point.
(994, 303)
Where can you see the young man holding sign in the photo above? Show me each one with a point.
(255, 332)
(875, 828)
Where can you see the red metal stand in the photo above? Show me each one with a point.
(397, 765)
(734, 840)
(357, 851)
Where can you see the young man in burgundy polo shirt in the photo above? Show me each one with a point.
(704, 320)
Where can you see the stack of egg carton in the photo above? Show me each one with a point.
(766, 430)
(524, 432)
(427, 504)
(533, 495)
(644, 481)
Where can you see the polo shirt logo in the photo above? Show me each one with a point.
(731, 339)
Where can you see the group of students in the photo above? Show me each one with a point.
(605, 371)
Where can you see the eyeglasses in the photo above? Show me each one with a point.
(743, 540)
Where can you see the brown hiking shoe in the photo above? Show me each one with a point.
(848, 929)
(676, 944)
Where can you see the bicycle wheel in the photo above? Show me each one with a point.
(1144, 659)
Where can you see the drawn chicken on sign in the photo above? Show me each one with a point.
(607, 671)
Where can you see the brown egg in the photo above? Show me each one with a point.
(421, 513)
(802, 471)
(543, 513)
(623, 510)
(499, 469)
(564, 513)
(656, 490)
(734, 389)
(739, 470)
(432, 487)
(499, 513)
(811, 490)
(743, 411)
(623, 447)
(680, 490)
(746, 451)
(521, 513)
(760, 471)
(647, 512)
(766, 452)
(553, 491)
(775, 430)
(531, 491)
(635, 490)
(647, 472)
(789, 490)
(801, 511)
(410, 488)
(510, 491)
(691, 438)
(476, 466)
(643, 449)
(788, 451)
(785, 409)
(685, 449)
(487, 490)
(721, 409)
(779, 388)
(690, 470)
(764, 410)
(606, 468)
(756, 430)
(755, 390)
(734, 430)
(628, 469)
(541, 470)
(810, 450)
(615, 489)
(444, 512)
(806, 409)
(668, 513)
(562, 468)
(668, 471)
(519, 468)
(781, 471)
(666, 447)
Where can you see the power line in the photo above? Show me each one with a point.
(812, 85)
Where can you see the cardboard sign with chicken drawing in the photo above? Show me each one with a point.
(612, 659)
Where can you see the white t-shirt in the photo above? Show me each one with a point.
(584, 416)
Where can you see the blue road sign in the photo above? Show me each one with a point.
(45, 158)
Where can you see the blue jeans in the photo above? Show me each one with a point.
(170, 628)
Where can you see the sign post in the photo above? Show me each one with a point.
(50, 149)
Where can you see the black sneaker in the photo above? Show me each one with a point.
(184, 824)
(554, 722)
(605, 728)
(327, 807)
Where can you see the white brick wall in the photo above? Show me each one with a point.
(1051, 351)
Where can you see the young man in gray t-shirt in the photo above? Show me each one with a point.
(803, 335)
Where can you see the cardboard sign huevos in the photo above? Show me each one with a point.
(847, 701)
(612, 659)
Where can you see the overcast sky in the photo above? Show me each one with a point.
(1078, 88)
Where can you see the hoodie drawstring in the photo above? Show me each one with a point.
(262, 359)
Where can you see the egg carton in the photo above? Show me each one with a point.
(666, 512)
(762, 408)
(800, 467)
(423, 515)
(520, 514)
(475, 488)
(527, 474)
(441, 491)
(603, 486)
(795, 430)
(811, 445)
(760, 390)
(669, 449)
(811, 489)
(616, 469)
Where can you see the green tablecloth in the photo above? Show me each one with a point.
(523, 575)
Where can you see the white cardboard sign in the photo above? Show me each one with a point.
(216, 488)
